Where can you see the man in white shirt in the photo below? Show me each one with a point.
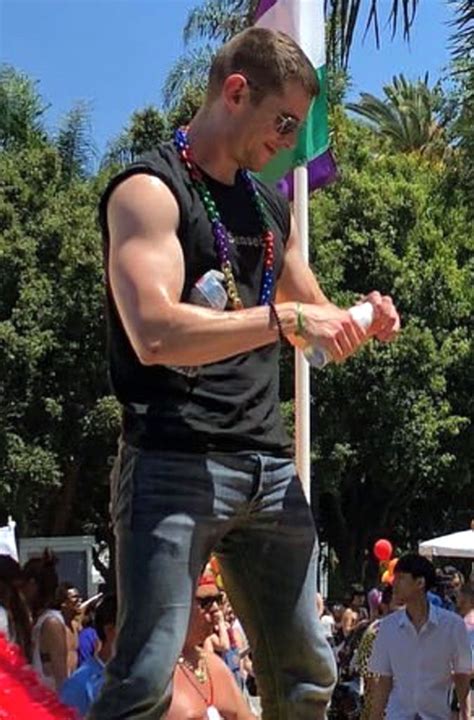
(419, 652)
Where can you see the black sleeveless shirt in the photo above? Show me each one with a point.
(228, 406)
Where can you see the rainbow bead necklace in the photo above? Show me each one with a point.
(220, 232)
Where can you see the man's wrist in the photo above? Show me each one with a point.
(300, 321)
(288, 316)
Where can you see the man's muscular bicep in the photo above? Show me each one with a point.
(146, 265)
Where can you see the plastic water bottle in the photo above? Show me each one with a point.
(363, 314)
(208, 291)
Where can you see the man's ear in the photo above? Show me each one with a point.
(234, 89)
(421, 582)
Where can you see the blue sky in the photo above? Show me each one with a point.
(116, 53)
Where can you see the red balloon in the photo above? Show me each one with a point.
(383, 550)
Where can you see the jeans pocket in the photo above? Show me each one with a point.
(121, 486)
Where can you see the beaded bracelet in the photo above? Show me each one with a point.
(274, 315)
(300, 321)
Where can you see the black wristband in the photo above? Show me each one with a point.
(274, 315)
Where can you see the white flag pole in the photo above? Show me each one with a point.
(302, 386)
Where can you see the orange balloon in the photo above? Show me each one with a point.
(387, 578)
(392, 565)
(214, 563)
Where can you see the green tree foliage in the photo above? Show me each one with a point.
(58, 425)
(146, 129)
(74, 143)
(149, 127)
(21, 110)
(392, 439)
(392, 443)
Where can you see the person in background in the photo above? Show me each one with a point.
(466, 607)
(49, 639)
(419, 651)
(68, 601)
(15, 619)
(374, 598)
(338, 611)
(203, 685)
(81, 689)
(319, 604)
(364, 651)
(456, 579)
(353, 612)
(329, 624)
(88, 638)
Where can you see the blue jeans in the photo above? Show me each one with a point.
(170, 510)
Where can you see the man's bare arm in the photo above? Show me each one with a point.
(146, 268)
(298, 283)
(462, 683)
(381, 688)
(53, 642)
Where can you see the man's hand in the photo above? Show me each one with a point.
(333, 329)
(386, 323)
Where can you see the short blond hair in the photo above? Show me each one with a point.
(268, 59)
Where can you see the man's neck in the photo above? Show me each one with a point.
(68, 619)
(192, 652)
(209, 147)
(418, 611)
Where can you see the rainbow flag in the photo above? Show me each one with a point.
(304, 21)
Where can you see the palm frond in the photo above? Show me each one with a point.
(191, 69)
(343, 16)
(216, 20)
(407, 116)
(462, 40)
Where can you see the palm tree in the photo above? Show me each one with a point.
(407, 116)
(219, 20)
(215, 21)
(189, 71)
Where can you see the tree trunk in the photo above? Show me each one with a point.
(62, 511)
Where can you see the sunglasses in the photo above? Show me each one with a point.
(285, 124)
(206, 603)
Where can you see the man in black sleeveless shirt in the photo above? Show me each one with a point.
(204, 462)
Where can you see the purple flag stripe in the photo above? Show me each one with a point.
(321, 171)
(262, 8)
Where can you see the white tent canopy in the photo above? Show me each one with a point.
(458, 544)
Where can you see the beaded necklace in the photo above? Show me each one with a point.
(220, 232)
(184, 665)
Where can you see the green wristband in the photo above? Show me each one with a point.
(300, 321)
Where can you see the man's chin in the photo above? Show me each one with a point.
(256, 166)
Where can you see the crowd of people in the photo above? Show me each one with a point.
(404, 650)
(401, 650)
(68, 642)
